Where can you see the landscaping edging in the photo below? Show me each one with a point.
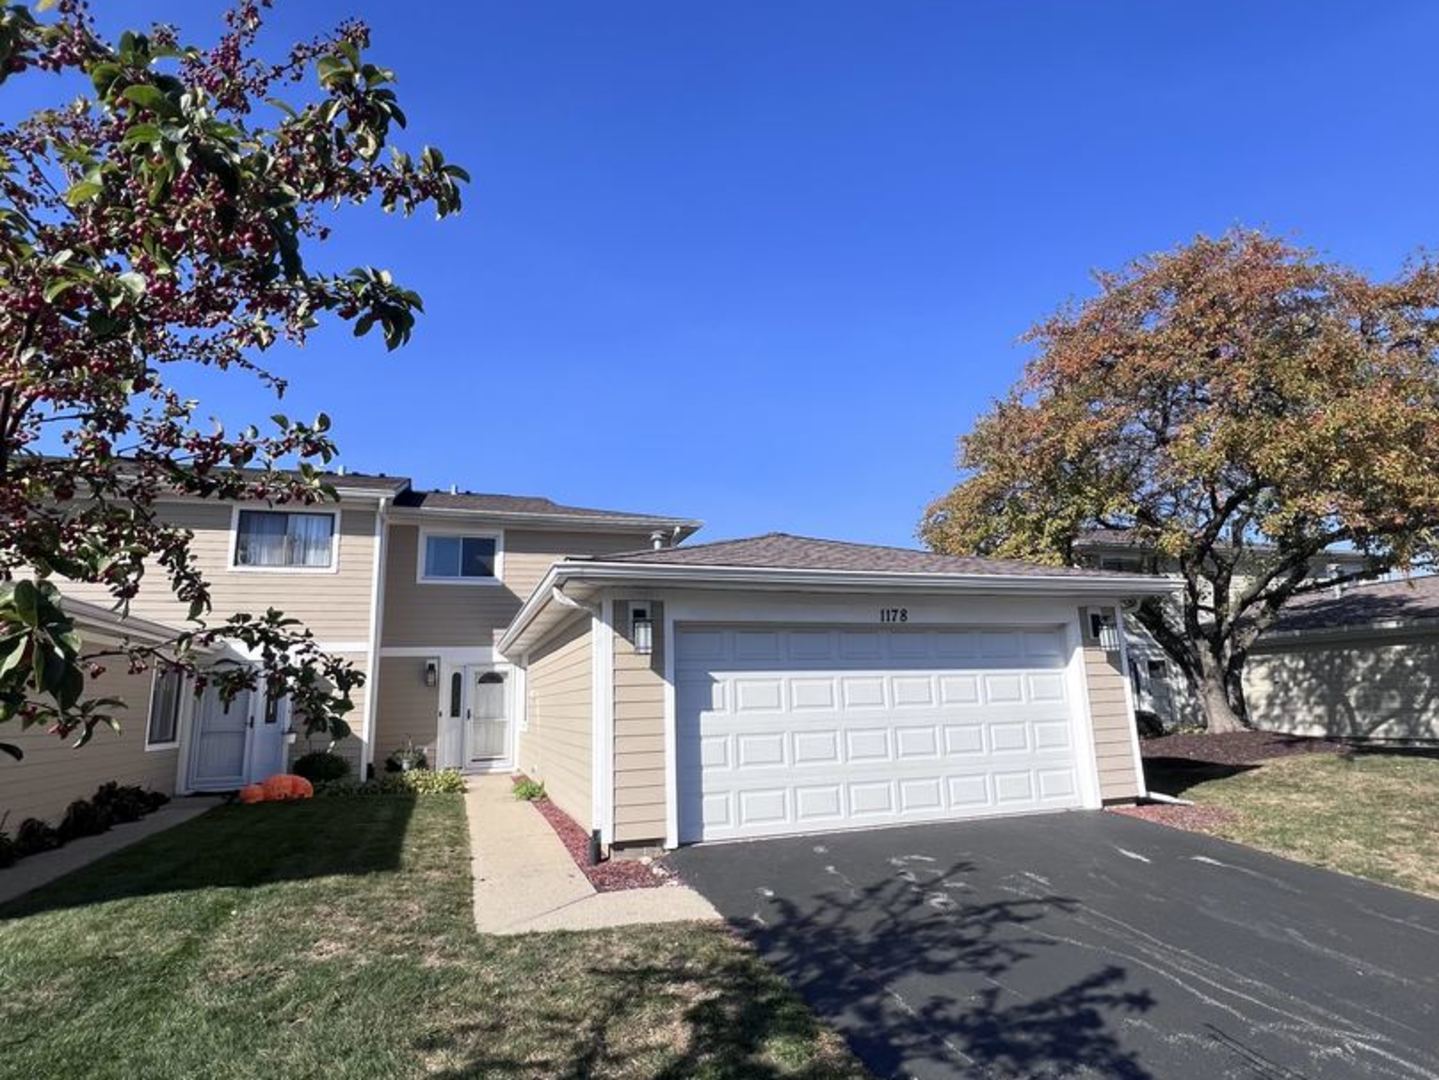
(612, 875)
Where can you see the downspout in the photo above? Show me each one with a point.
(377, 615)
(559, 596)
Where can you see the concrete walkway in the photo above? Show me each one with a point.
(36, 870)
(525, 880)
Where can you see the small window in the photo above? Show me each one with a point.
(276, 538)
(457, 690)
(163, 728)
(459, 558)
(1158, 669)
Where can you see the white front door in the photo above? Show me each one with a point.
(220, 750)
(267, 739)
(487, 717)
(793, 728)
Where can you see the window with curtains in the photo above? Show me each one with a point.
(459, 558)
(281, 538)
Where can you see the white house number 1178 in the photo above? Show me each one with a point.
(893, 614)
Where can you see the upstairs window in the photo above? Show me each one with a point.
(455, 557)
(279, 538)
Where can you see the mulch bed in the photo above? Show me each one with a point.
(1194, 818)
(1237, 748)
(610, 876)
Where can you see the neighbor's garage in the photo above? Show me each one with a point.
(797, 728)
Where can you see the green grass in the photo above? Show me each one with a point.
(333, 938)
(1375, 815)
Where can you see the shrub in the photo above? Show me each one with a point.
(529, 790)
(320, 766)
(9, 850)
(415, 782)
(407, 758)
(35, 836)
(84, 818)
(128, 803)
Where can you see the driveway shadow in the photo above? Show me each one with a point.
(919, 976)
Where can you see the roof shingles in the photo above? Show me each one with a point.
(782, 551)
(1363, 605)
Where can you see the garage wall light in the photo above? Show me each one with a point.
(642, 628)
(432, 672)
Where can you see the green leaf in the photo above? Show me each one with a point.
(147, 97)
(85, 189)
(142, 133)
(133, 283)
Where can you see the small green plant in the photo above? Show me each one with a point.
(84, 818)
(529, 790)
(414, 782)
(127, 803)
(407, 759)
(321, 766)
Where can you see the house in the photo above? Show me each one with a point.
(668, 692)
(1360, 662)
(53, 774)
(1162, 694)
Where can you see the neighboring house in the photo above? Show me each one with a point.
(53, 773)
(664, 692)
(1362, 662)
(1160, 689)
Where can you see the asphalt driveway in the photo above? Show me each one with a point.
(1087, 944)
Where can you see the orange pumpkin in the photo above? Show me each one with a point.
(277, 788)
(252, 793)
(300, 788)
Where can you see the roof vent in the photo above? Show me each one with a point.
(454, 489)
(658, 539)
(339, 470)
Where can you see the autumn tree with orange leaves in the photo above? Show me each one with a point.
(1241, 405)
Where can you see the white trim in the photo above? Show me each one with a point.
(760, 579)
(233, 540)
(603, 723)
(372, 646)
(566, 522)
(426, 532)
(1140, 782)
(343, 646)
(173, 744)
(668, 643)
(1077, 678)
(451, 654)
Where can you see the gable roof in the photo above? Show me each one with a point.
(1370, 604)
(784, 551)
(533, 506)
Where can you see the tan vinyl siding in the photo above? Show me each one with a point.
(407, 708)
(351, 747)
(1112, 723)
(639, 712)
(335, 605)
(52, 775)
(556, 747)
(1385, 688)
(432, 615)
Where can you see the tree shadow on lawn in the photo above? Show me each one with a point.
(236, 846)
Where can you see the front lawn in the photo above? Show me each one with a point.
(1369, 812)
(333, 938)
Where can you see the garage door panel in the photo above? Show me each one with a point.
(795, 729)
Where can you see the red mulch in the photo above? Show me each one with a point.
(1236, 748)
(1193, 818)
(610, 876)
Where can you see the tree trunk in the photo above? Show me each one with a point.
(1220, 715)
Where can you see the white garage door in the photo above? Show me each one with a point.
(792, 729)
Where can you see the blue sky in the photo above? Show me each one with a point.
(761, 262)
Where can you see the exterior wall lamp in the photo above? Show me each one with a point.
(432, 672)
(642, 629)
